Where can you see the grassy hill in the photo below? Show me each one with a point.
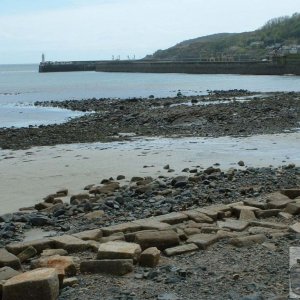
(258, 44)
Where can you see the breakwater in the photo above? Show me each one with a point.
(189, 67)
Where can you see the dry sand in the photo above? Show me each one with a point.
(28, 176)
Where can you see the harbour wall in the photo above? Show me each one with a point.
(190, 67)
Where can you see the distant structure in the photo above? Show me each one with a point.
(43, 57)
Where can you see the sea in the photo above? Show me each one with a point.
(22, 85)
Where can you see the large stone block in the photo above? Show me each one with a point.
(123, 227)
(150, 257)
(70, 243)
(7, 259)
(119, 250)
(94, 234)
(203, 240)
(39, 245)
(246, 241)
(172, 218)
(7, 273)
(181, 249)
(107, 266)
(34, 285)
(60, 263)
(277, 200)
(159, 239)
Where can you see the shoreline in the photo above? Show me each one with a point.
(50, 168)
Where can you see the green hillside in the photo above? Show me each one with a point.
(280, 35)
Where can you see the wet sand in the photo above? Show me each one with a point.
(29, 175)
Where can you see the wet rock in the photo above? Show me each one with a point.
(241, 163)
(33, 285)
(62, 192)
(6, 218)
(120, 177)
(39, 220)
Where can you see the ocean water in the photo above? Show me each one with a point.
(22, 85)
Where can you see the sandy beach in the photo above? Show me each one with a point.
(29, 175)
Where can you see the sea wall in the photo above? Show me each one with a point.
(249, 68)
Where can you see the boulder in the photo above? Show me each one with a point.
(8, 259)
(34, 285)
(119, 250)
(181, 249)
(108, 266)
(150, 257)
(159, 239)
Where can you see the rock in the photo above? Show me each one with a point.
(34, 285)
(70, 243)
(7, 273)
(7, 259)
(269, 225)
(95, 215)
(203, 240)
(192, 231)
(285, 215)
(166, 167)
(236, 209)
(69, 282)
(263, 230)
(291, 193)
(277, 200)
(159, 239)
(198, 216)
(62, 192)
(39, 245)
(295, 227)
(292, 208)
(246, 215)
(115, 266)
(39, 220)
(150, 257)
(6, 218)
(172, 218)
(246, 241)
(254, 203)
(76, 199)
(42, 205)
(123, 227)
(179, 181)
(152, 224)
(52, 252)
(241, 163)
(27, 253)
(181, 249)
(209, 212)
(235, 225)
(119, 250)
(267, 213)
(63, 264)
(94, 234)
(119, 236)
(54, 208)
(120, 177)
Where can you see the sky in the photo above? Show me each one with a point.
(100, 29)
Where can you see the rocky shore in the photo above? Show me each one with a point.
(210, 233)
(220, 113)
(206, 235)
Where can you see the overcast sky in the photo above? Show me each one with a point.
(98, 29)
